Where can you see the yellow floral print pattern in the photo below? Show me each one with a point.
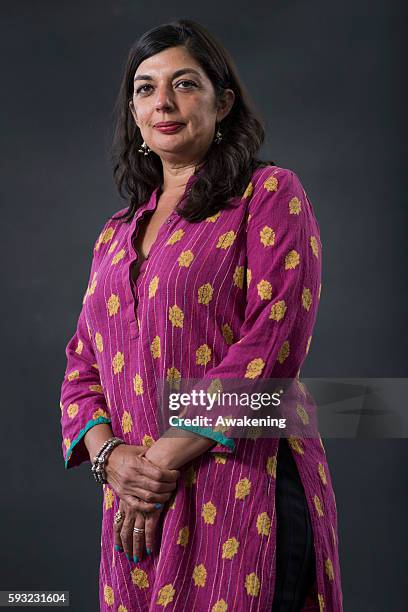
(239, 277)
(227, 333)
(127, 422)
(314, 245)
(284, 352)
(176, 316)
(302, 414)
(205, 293)
(72, 410)
(118, 362)
(271, 183)
(230, 548)
(278, 310)
(147, 441)
(249, 190)
(306, 298)
(138, 384)
(295, 206)
(100, 412)
(154, 283)
(165, 595)
(118, 256)
(108, 595)
(220, 606)
(226, 240)
(139, 578)
(292, 260)
(209, 513)
(248, 276)
(155, 347)
(113, 246)
(175, 237)
(173, 377)
(185, 259)
(109, 497)
(263, 524)
(252, 584)
(322, 473)
(328, 566)
(96, 388)
(203, 354)
(321, 602)
(213, 218)
(99, 342)
(295, 445)
(264, 289)
(113, 304)
(200, 575)
(104, 237)
(254, 367)
(271, 464)
(318, 505)
(242, 488)
(267, 236)
(183, 536)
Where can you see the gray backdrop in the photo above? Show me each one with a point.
(327, 77)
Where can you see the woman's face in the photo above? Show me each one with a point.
(172, 86)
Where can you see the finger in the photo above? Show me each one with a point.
(151, 523)
(135, 504)
(149, 497)
(138, 537)
(155, 486)
(154, 472)
(126, 533)
(117, 526)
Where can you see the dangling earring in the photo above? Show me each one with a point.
(144, 149)
(218, 136)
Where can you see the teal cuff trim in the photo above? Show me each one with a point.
(81, 434)
(209, 433)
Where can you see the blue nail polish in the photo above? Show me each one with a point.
(118, 548)
(158, 505)
(136, 559)
(127, 556)
(149, 551)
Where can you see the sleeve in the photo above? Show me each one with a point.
(82, 401)
(283, 281)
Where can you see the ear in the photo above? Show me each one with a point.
(225, 104)
(133, 111)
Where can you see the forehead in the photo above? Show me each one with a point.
(168, 61)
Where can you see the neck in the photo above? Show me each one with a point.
(175, 178)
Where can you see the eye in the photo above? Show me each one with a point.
(189, 82)
(141, 89)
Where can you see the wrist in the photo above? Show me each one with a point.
(158, 458)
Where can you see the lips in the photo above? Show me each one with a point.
(167, 123)
(169, 127)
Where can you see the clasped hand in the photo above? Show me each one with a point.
(143, 488)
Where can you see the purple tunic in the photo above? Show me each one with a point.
(235, 295)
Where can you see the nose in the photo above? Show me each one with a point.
(164, 98)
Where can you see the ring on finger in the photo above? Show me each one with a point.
(118, 516)
(138, 530)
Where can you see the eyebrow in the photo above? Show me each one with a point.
(147, 77)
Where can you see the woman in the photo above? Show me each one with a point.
(211, 272)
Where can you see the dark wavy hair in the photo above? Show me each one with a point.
(228, 166)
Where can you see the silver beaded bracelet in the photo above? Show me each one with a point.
(98, 464)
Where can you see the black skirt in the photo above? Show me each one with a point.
(295, 557)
